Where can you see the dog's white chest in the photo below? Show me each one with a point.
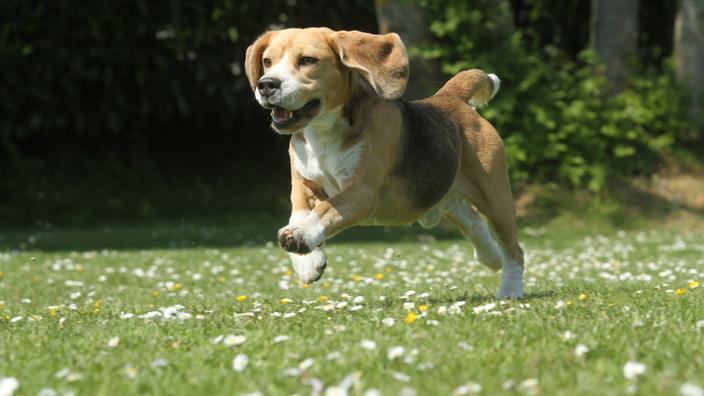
(323, 160)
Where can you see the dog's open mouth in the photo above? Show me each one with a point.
(284, 118)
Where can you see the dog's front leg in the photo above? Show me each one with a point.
(304, 196)
(306, 232)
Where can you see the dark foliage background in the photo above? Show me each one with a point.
(139, 109)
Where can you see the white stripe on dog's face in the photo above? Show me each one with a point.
(288, 95)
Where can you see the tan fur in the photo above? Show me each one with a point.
(349, 65)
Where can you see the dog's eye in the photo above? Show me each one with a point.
(307, 60)
(266, 62)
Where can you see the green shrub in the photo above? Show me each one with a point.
(556, 115)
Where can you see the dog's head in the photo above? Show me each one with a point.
(301, 74)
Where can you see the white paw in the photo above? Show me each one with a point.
(309, 267)
(302, 235)
(510, 291)
(511, 280)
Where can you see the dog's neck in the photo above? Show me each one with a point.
(329, 128)
(341, 125)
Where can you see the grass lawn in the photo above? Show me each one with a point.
(170, 309)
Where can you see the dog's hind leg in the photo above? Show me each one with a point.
(458, 212)
(495, 202)
(488, 251)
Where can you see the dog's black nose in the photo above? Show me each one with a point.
(268, 85)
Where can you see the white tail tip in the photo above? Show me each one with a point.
(497, 83)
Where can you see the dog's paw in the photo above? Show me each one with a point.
(292, 240)
(302, 236)
(309, 267)
(510, 293)
(511, 280)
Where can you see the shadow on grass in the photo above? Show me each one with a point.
(242, 231)
(560, 211)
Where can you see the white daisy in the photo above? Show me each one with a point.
(239, 363)
(632, 370)
(8, 385)
(306, 364)
(368, 345)
(232, 340)
(280, 338)
(688, 389)
(395, 352)
(580, 350)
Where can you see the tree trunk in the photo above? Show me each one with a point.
(408, 20)
(689, 54)
(614, 36)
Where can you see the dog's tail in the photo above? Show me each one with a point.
(473, 86)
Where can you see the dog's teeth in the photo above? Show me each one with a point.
(290, 115)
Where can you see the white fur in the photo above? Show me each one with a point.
(319, 156)
(307, 229)
(306, 226)
(473, 227)
(298, 216)
(480, 102)
(288, 95)
(497, 84)
(309, 267)
(511, 279)
(486, 248)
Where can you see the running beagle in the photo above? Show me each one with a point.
(361, 155)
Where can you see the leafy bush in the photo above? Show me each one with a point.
(556, 115)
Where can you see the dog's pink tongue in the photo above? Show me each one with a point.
(280, 115)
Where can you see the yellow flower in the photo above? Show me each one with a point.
(131, 372)
(430, 268)
(422, 308)
(305, 285)
(327, 284)
(289, 273)
(379, 276)
(156, 293)
(410, 317)
(323, 298)
(96, 306)
(221, 279)
(285, 301)
(680, 291)
(79, 268)
(175, 287)
(693, 284)
(52, 311)
(356, 278)
(241, 298)
(582, 296)
(387, 269)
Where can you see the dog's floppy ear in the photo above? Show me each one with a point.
(380, 59)
(253, 61)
